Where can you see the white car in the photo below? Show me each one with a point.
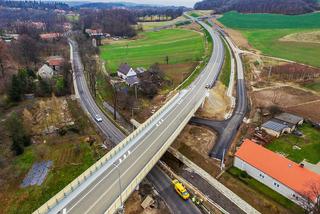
(98, 118)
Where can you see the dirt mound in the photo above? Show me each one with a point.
(292, 100)
(292, 71)
(309, 37)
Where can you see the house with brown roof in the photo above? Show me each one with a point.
(284, 176)
(55, 62)
(50, 36)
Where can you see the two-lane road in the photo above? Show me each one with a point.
(99, 192)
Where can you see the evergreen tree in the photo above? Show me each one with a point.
(15, 90)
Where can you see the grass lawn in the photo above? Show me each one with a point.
(181, 46)
(194, 15)
(313, 85)
(150, 25)
(263, 32)
(26, 200)
(270, 21)
(263, 190)
(70, 154)
(309, 144)
(226, 69)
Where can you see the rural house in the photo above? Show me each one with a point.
(55, 62)
(50, 36)
(286, 177)
(45, 72)
(275, 128)
(290, 119)
(126, 71)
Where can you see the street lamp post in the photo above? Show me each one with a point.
(133, 108)
(120, 210)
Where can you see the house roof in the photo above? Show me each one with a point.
(48, 36)
(45, 71)
(124, 68)
(280, 168)
(289, 118)
(55, 61)
(274, 125)
(132, 80)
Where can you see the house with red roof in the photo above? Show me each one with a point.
(50, 36)
(286, 177)
(55, 62)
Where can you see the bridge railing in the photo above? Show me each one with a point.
(45, 208)
(147, 168)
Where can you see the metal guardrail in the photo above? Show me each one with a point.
(45, 208)
(85, 175)
(131, 187)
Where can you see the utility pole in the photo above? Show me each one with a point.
(222, 160)
(115, 94)
(121, 208)
(136, 91)
(270, 69)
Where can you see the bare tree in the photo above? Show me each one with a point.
(311, 200)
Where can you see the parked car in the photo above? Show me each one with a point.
(297, 133)
(98, 118)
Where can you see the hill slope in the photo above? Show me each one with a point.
(259, 6)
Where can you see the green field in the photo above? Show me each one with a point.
(181, 46)
(270, 21)
(151, 25)
(263, 32)
(309, 144)
(313, 85)
(226, 69)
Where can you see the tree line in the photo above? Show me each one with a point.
(290, 7)
(41, 5)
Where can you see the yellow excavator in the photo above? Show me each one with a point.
(180, 189)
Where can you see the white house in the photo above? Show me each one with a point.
(126, 71)
(45, 72)
(286, 177)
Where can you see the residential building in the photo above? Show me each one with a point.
(286, 177)
(132, 80)
(50, 36)
(55, 62)
(45, 72)
(275, 128)
(126, 71)
(291, 119)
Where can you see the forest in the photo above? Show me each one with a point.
(289, 7)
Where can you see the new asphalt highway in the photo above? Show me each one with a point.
(103, 187)
(229, 128)
(161, 182)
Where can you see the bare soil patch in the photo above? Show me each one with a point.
(308, 37)
(192, 26)
(133, 204)
(291, 72)
(195, 143)
(216, 105)
(289, 99)
(178, 72)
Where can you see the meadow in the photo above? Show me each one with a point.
(264, 31)
(151, 25)
(180, 45)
